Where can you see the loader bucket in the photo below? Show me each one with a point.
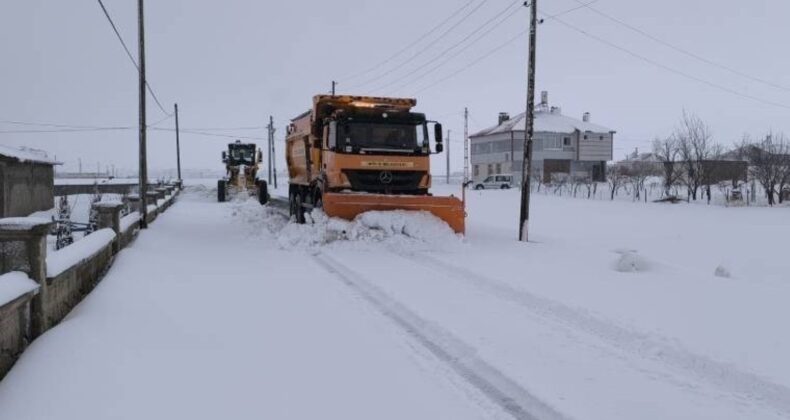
(349, 205)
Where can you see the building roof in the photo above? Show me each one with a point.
(27, 154)
(546, 122)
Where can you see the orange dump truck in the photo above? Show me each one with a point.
(351, 154)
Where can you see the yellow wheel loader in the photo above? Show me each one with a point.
(352, 154)
(241, 167)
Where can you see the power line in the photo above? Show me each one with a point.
(680, 49)
(413, 43)
(474, 41)
(495, 49)
(424, 49)
(670, 69)
(131, 58)
(66, 130)
(202, 133)
(474, 62)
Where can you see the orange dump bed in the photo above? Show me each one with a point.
(349, 205)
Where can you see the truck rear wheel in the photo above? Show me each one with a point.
(222, 187)
(263, 192)
(295, 202)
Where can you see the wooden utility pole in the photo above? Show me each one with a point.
(143, 175)
(178, 145)
(269, 150)
(334, 83)
(274, 160)
(466, 146)
(448, 156)
(529, 129)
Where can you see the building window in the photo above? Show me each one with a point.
(499, 168)
(476, 170)
(490, 169)
(566, 141)
(585, 136)
(600, 137)
(552, 143)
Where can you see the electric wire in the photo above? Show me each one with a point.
(680, 49)
(422, 50)
(129, 54)
(456, 53)
(407, 47)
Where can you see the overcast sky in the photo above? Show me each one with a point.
(233, 63)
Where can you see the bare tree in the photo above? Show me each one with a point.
(695, 146)
(769, 164)
(616, 177)
(666, 152)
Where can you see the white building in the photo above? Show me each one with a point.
(562, 145)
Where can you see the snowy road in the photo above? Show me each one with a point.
(226, 310)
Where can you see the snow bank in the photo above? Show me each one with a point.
(14, 285)
(404, 230)
(63, 259)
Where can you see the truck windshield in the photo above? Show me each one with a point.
(388, 136)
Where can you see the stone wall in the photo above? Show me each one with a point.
(14, 330)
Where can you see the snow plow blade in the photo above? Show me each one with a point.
(348, 206)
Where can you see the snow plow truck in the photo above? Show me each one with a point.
(352, 154)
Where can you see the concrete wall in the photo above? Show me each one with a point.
(25, 187)
(67, 289)
(14, 330)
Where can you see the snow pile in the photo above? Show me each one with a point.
(631, 262)
(722, 271)
(249, 212)
(63, 259)
(129, 220)
(14, 285)
(399, 229)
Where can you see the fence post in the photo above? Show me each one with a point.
(23, 247)
(110, 217)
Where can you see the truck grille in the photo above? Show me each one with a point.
(384, 181)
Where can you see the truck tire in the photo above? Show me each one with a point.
(221, 190)
(263, 192)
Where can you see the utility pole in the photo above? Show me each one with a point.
(466, 146)
(143, 175)
(269, 149)
(274, 161)
(178, 145)
(529, 129)
(334, 83)
(448, 157)
(79, 160)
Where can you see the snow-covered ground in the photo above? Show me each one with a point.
(614, 310)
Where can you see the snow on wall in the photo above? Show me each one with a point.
(63, 259)
(14, 285)
(129, 220)
(27, 154)
(22, 223)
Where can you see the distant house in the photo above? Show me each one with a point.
(726, 168)
(562, 146)
(26, 181)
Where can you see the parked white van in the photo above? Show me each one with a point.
(495, 181)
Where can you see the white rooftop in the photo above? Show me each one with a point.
(546, 122)
(27, 154)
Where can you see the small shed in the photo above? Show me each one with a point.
(27, 179)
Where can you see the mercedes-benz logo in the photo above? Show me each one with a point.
(385, 177)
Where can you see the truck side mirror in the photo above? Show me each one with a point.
(224, 156)
(437, 132)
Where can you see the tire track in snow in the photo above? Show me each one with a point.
(722, 375)
(460, 357)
